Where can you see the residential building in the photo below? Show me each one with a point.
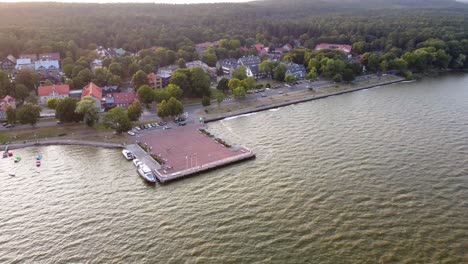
(344, 48)
(165, 76)
(155, 81)
(94, 92)
(8, 64)
(120, 52)
(297, 70)
(53, 91)
(201, 47)
(32, 57)
(124, 99)
(4, 103)
(252, 64)
(250, 60)
(198, 63)
(261, 49)
(228, 66)
(50, 56)
(48, 69)
(110, 89)
(75, 94)
(24, 64)
(96, 64)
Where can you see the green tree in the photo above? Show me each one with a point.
(348, 75)
(163, 109)
(223, 85)
(5, 85)
(280, 72)
(21, 91)
(28, 114)
(52, 103)
(84, 77)
(181, 78)
(174, 91)
(134, 110)
(181, 63)
(139, 79)
(10, 115)
(145, 94)
(239, 92)
(175, 107)
(29, 78)
(133, 68)
(161, 95)
(200, 81)
(312, 74)
(234, 83)
(116, 69)
(290, 78)
(337, 78)
(240, 73)
(206, 101)
(220, 97)
(32, 98)
(117, 119)
(86, 107)
(68, 69)
(249, 83)
(65, 110)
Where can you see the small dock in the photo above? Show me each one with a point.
(185, 151)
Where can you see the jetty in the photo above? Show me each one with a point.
(52, 142)
(186, 151)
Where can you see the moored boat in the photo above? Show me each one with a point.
(137, 163)
(38, 163)
(17, 159)
(146, 173)
(39, 157)
(128, 154)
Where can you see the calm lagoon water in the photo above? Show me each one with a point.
(376, 176)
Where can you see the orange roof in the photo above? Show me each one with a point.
(47, 90)
(92, 90)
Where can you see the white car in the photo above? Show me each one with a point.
(137, 128)
(131, 133)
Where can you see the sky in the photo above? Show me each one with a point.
(130, 1)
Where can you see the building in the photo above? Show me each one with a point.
(250, 60)
(32, 57)
(155, 81)
(94, 92)
(53, 91)
(165, 75)
(201, 47)
(50, 56)
(24, 64)
(95, 64)
(198, 63)
(228, 66)
(297, 70)
(344, 48)
(4, 103)
(124, 99)
(48, 69)
(252, 64)
(261, 49)
(8, 64)
(75, 94)
(110, 89)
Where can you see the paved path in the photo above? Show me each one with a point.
(50, 142)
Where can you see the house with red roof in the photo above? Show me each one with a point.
(94, 92)
(4, 103)
(124, 99)
(344, 48)
(52, 91)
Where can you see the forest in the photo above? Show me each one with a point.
(405, 36)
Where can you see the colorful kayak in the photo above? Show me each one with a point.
(39, 157)
(38, 163)
(17, 159)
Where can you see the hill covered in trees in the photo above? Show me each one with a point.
(38, 27)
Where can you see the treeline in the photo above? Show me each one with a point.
(137, 26)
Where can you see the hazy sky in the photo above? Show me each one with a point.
(130, 1)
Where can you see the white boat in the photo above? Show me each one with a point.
(146, 173)
(137, 163)
(128, 154)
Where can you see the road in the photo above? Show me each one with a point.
(151, 115)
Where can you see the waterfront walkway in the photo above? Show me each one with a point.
(51, 142)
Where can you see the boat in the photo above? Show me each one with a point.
(137, 163)
(10, 153)
(17, 159)
(38, 163)
(128, 154)
(12, 174)
(146, 173)
(39, 157)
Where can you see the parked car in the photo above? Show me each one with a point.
(167, 127)
(263, 95)
(182, 123)
(9, 125)
(137, 128)
(131, 133)
(280, 92)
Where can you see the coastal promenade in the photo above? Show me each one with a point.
(213, 118)
(51, 142)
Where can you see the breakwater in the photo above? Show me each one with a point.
(51, 142)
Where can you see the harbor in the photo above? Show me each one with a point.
(185, 151)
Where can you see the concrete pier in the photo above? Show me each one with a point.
(186, 151)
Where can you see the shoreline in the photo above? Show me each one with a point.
(60, 142)
(209, 119)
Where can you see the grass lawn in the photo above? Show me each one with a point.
(270, 81)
